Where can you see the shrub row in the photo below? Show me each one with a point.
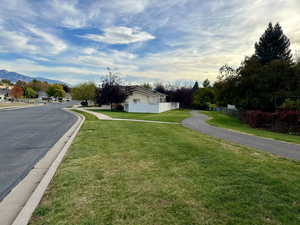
(282, 121)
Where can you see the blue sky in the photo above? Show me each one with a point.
(144, 40)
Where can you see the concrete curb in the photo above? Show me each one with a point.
(17, 207)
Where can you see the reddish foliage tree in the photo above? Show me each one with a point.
(17, 92)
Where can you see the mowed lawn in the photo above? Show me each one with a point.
(170, 116)
(120, 172)
(220, 119)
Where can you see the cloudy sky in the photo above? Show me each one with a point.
(144, 40)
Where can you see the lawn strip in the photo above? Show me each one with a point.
(133, 173)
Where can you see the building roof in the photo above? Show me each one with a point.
(143, 90)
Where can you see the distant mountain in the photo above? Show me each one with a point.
(14, 77)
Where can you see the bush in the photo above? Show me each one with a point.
(290, 104)
(283, 121)
(259, 119)
(84, 103)
(120, 108)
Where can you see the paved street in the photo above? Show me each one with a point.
(25, 136)
(287, 150)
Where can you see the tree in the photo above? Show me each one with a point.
(226, 87)
(110, 91)
(160, 88)
(206, 83)
(56, 90)
(147, 85)
(272, 45)
(203, 97)
(20, 83)
(17, 92)
(182, 95)
(66, 88)
(196, 86)
(29, 92)
(84, 92)
(5, 81)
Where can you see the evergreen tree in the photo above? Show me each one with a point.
(273, 44)
(206, 83)
(196, 86)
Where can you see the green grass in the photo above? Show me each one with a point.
(220, 119)
(169, 116)
(143, 173)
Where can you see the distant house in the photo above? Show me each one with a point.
(3, 93)
(145, 100)
(42, 94)
(68, 97)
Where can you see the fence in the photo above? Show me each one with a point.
(151, 108)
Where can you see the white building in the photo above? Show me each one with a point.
(145, 100)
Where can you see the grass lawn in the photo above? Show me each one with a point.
(134, 173)
(220, 119)
(169, 116)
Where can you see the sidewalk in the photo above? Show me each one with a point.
(101, 116)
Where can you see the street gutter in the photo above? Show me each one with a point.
(18, 206)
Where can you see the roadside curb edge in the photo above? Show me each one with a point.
(26, 212)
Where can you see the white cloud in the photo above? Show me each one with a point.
(120, 35)
(15, 42)
(56, 45)
(194, 38)
(89, 51)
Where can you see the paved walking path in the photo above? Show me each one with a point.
(198, 122)
(101, 116)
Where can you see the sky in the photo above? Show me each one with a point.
(141, 40)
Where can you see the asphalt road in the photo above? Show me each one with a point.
(198, 122)
(25, 136)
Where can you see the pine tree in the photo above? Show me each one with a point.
(272, 45)
(196, 86)
(206, 83)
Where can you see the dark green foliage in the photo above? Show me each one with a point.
(5, 81)
(291, 104)
(147, 85)
(272, 45)
(84, 91)
(264, 80)
(203, 98)
(182, 95)
(29, 93)
(110, 91)
(196, 86)
(258, 86)
(206, 83)
(56, 90)
(66, 88)
(160, 88)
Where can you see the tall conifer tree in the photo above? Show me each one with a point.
(272, 45)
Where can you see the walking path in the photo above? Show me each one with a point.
(198, 122)
(101, 116)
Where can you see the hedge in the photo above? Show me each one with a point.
(286, 121)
